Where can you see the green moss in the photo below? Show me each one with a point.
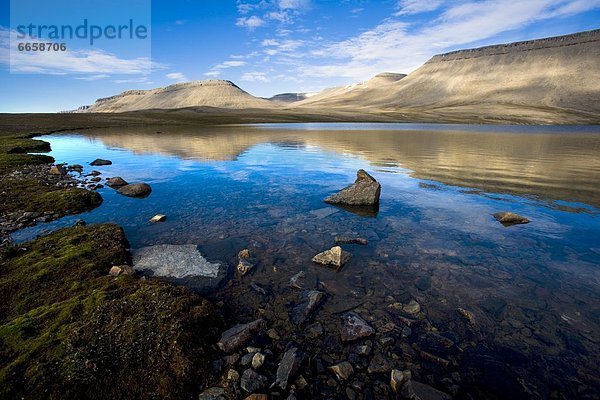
(67, 330)
(12, 143)
(32, 195)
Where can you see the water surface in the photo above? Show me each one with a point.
(534, 289)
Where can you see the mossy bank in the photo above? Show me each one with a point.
(69, 330)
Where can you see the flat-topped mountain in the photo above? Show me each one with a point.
(547, 76)
(554, 80)
(207, 93)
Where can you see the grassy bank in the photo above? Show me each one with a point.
(68, 330)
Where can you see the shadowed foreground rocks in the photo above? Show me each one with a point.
(69, 330)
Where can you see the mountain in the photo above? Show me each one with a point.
(286, 98)
(358, 90)
(559, 75)
(208, 93)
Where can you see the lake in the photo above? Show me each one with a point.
(533, 290)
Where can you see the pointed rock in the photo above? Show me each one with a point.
(365, 191)
(289, 365)
(235, 338)
(354, 328)
(308, 302)
(509, 218)
(335, 257)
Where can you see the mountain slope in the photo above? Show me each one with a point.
(208, 93)
(560, 74)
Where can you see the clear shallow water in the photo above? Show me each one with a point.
(534, 289)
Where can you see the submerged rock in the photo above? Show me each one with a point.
(244, 265)
(294, 280)
(509, 218)
(308, 302)
(419, 391)
(354, 328)
(289, 365)
(175, 261)
(365, 191)
(158, 218)
(236, 337)
(351, 240)
(135, 190)
(116, 181)
(334, 256)
(99, 162)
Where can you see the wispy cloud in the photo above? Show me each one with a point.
(399, 46)
(407, 7)
(216, 70)
(177, 76)
(255, 77)
(251, 22)
(258, 14)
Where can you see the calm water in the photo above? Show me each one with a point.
(533, 289)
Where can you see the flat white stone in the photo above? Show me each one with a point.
(175, 261)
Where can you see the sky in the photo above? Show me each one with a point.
(271, 46)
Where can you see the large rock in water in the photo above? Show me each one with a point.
(509, 218)
(116, 182)
(364, 191)
(100, 162)
(135, 190)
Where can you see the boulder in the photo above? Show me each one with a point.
(252, 381)
(398, 379)
(419, 391)
(365, 191)
(509, 218)
(100, 162)
(214, 393)
(117, 181)
(351, 240)
(258, 359)
(289, 365)
(354, 328)
(342, 370)
(335, 257)
(236, 337)
(308, 302)
(135, 190)
(58, 170)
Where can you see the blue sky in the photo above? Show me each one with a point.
(273, 46)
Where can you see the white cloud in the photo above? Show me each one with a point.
(255, 77)
(215, 71)
(92, 77)
(406, 7)
(177, 76)
(294, 4)
(398, 46)
(250, 22)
